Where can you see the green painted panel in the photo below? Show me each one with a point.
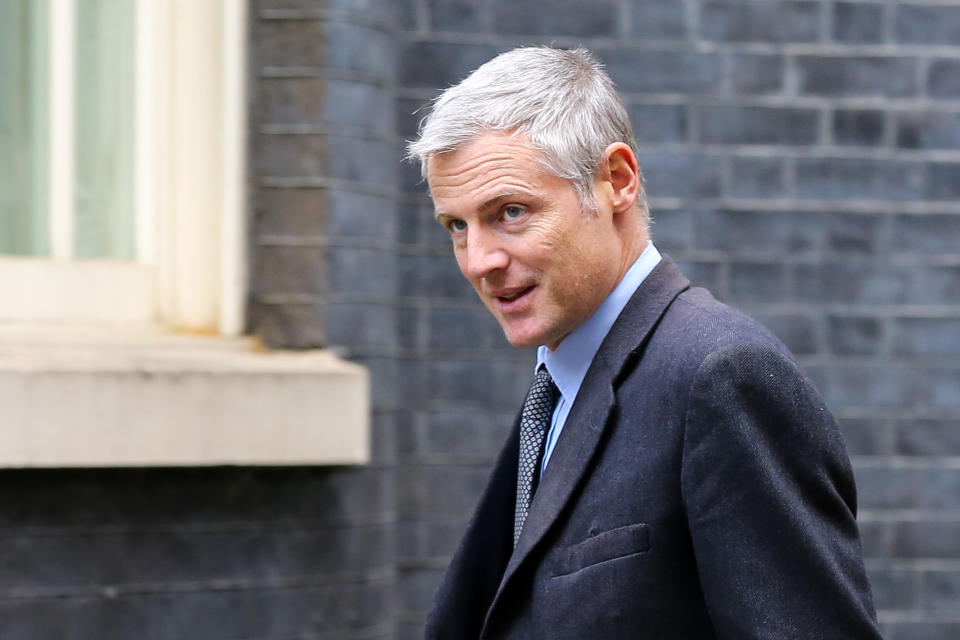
(23, 128)
(105, 64)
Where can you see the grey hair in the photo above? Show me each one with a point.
(562, 100)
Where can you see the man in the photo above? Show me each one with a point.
(672, 473)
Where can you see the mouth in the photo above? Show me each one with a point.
(509, 299)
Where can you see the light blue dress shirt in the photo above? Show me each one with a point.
(569, 363)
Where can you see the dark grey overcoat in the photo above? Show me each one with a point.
(700, 489)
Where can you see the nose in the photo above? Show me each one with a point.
(483, 254)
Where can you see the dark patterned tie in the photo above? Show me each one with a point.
(534, 421)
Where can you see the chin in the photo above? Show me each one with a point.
(522, 341)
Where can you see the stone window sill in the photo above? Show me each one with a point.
(144, 398)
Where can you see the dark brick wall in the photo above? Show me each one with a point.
(803, 162)
(803, 159)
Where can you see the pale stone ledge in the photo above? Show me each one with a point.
(79, 399)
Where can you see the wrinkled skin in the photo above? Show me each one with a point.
(539, 262)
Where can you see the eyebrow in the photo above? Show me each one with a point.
(486, 204)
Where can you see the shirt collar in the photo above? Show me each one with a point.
(568, 364)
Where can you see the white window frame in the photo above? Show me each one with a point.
(190, 137)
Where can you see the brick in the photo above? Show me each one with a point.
(212, 614)
(318, 101)
(874, 538)
(490, 384)
(941, 590)
(282, 269)
(322, 212)
(799, 333)
(756, 177)
(411, 217)
(856, 127)
(908, 488)
(943, 78)
(893, 588)
(736, 232)
(757, 282)
(151, 498)
(385, 428)
(361, 215)
(143, 556)
(658, 20)
(852, 284)
(923, 630)
(408, 113)
(944, 389)
(680, 175)
(927, 234)
(301, 212)
(927, 337)
(432, 276)
(918, 24)
(849, 178)
(934, 285)
(330, 44)
(756, 73)
(460, 16)
(931, 130)
(556, 18)
(361, 271)
(760, 20)
(672, 230)
(942, 182)
(467, 433)
(439, 537)
(659, 122)
(856, 234)
(653, 71)
(369, 9)
(860, 336)
(416, 592)
(408, 326)
(287, 326)
(332, 156)
(463, 328)
(424, 64)
(403, 14)
(867, 437)
(932, 539)
(858, 23)
(443, 490)
(890, 77)
(709, 275)
(757, 125)
(409, 178)
(361, 325)
(928, 437)
(866, 385)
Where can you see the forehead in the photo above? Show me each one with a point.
(488, 164)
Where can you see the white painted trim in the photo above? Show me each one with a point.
(132, 400)
(62, 39)
(233, 252)
(35, 289)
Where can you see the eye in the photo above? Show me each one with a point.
(457, 226)
(513, 212)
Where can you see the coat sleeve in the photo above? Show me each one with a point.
(771, 503)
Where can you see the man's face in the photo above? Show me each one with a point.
(539, 262)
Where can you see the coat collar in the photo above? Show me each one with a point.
(589, 415)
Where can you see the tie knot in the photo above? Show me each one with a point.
(543, 388)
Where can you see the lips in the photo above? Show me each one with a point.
(512, 298)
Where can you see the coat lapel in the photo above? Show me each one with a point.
(589, 415)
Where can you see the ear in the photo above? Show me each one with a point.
(622, 172)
